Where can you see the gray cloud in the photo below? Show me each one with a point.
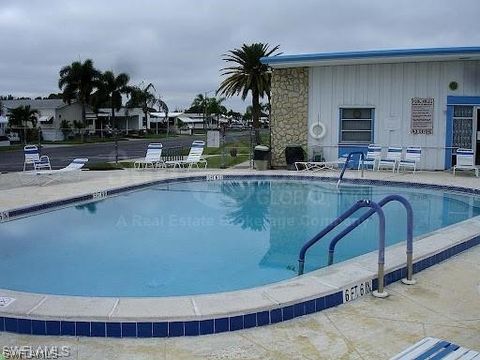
(177, 45)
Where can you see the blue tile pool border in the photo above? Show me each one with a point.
(9, 215)
(29, 326)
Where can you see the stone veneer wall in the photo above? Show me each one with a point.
(289, 117)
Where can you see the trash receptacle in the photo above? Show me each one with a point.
(261, 156)
(293, 153)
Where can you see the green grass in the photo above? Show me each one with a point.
(215, 162)
(86, 141)
(242, 146)
(102, 166)
(11, 148)
(159, 136)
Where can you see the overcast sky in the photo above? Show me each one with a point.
(178, 44)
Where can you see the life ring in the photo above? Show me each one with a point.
(317, 133)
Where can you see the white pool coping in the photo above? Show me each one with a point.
(312, 285)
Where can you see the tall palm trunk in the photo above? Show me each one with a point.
(256, 114)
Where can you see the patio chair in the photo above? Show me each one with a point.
(374, 153)
(52, 175)
(433, 348)
(413, 155)
(394, 154)
(194, 157)
(465, 161)
(32, 157)
(153, 157)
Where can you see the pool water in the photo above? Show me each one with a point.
(203, 237)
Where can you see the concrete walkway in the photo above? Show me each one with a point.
(445, 303)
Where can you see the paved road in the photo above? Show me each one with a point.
(61, 155)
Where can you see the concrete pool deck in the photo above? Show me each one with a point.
(13, 195)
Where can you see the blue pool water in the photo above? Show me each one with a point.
(202, 237)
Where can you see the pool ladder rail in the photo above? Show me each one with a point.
(375, 208)
(347, 160)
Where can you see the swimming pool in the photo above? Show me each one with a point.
(198, 237)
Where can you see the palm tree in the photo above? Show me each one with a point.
(20, 117)
(162, 106)
(208, 105)
(111, 88)
(144, 98)
(214, 107)
(199, 104)
(248, 75)
(77, 81)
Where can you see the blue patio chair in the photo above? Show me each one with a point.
(153, 157)
(433, 348)
(394, 154)
(194, 157)
(413, 155)
(374, 153)
(32, 157)
(465, 161)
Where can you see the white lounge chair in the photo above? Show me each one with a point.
(394, 154)
(413, 155)
(433, 348)
(153, 157)
(374, 153)
(52, 175)
(194, 157)
(316, 165)
(32, 157)
(465, 161)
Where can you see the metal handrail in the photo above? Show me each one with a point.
(409, 280)
(381, 242)
(349, 157)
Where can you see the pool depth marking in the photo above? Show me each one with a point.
(356, 291)
(4, 216)
(5, 301)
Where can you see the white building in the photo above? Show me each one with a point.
(126, 119)
(423, 97)
(181, 122)
(3, 124)
(51, 112)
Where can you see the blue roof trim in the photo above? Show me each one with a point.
(370, 54)
(463, 100)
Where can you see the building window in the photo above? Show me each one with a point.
(356, 125)
(463, 126)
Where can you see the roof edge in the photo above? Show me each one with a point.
(365, 54)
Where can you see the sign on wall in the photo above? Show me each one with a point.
(422, 116)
